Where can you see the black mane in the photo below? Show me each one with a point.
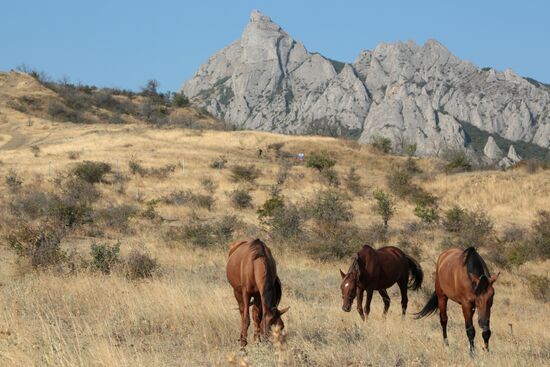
(474, 263)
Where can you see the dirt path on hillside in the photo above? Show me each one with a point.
(16, 141)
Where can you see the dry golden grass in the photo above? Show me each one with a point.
(187, 315)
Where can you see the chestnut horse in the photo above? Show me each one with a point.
(462, 276)
(376, 270)
(252, 273)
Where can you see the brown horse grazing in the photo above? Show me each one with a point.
(462, 276)
(252, 273)
(372, 270)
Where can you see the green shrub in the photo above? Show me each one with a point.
(39, 244)
(457, 162)
(115, 216)
(382, 144)
(247, 173)
(92, 172)
(241, 198)
(268, 208)
(471, 227)
(329, 208)
(180, 100)
(319, 160)
(453, 219)
(205, 233)
(140, 265)
(104, 256)
(183, 197)
(427, 214)
(399, 182)
(384, 206)
(331, 177)
(336, 242)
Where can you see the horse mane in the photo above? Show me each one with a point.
(273, 290)
(476, 265)
(355, 266)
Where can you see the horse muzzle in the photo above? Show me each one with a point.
(346, 308)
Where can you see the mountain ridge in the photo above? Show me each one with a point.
(410, 93)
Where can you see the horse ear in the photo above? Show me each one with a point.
(342, 274)
(494, 278)
(284, 310)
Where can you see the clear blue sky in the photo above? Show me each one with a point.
(122, 43)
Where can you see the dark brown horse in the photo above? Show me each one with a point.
(462, 276)
(252, 273)
(376, 270)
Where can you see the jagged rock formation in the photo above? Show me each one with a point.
(491, 150)
(410, 93)
(511, 159)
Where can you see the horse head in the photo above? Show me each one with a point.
(273, 319)
(484, 293)
(349, 284)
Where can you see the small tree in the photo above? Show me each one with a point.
(353, 182)
(385, 206)
(180, 100)
(320, 161)
(382, 144)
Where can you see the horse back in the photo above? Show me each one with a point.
(383, 267)
(451, 275)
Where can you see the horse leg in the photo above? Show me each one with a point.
(468, 311)
(386, 300)
(360, 303)
(245, 318)
(257, 318)
(442, 305)
(404, 298)
(369, 299)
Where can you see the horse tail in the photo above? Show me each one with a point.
(415, 272)
(429, 309)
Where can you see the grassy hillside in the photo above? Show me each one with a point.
(166, 198)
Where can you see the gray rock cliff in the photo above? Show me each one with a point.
(410, 93)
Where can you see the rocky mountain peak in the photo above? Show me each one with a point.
(409, 93)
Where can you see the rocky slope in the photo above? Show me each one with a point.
(410, 93)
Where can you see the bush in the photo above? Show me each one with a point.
(180, 100)
(284, 220)
(540, 235)
(412, 167)
(116, 216)
(539, 286)
(91, 172)
(219, 162)
(330, 208)
(182, 197)
(331, 177)
(457, 162)
(382, 144)
(140, 265)
(320, 161)
(241, 198)
(427, 214)
(39, 244)
(384, 206)
(13, 181)
(244, 173)
(205, 233)
(335, 243)
(104, 256)
(353, 182)
(209, 185)
(269, 207)
(471, 227)
(400, 182)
